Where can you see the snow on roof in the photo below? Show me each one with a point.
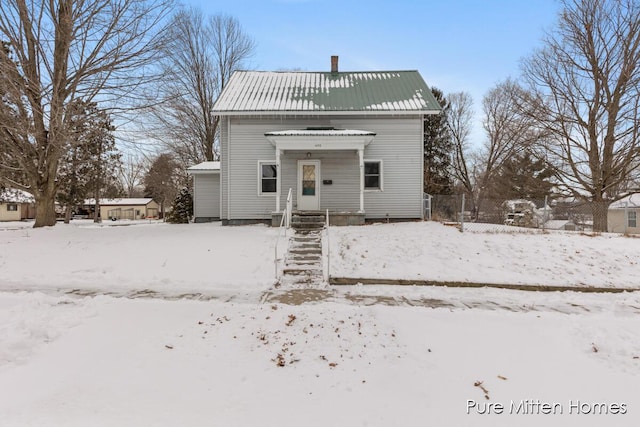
(321, 132)
(13, 195)
(120, 202)
(518, 204)
(556, 224)
(205, 167)
(632, 201)
(394, 92)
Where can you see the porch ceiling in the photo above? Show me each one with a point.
(320, 139)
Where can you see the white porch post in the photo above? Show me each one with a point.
(278, 180)
(361, 162)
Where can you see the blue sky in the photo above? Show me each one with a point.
(457, 45)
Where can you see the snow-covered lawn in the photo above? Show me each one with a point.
(126, 255)
(211, 259)
(357, 355)
(431, 251)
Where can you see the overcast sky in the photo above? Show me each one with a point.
(457, 45)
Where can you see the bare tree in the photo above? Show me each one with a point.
(584, 87)
(57, 52)
(459, 120)
(200, 55)
(509, 132)
(132, 174)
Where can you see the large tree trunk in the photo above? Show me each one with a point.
(45, 209)
(600, 210)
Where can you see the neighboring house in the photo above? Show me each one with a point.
(206, 191)
(16, 205)
(347, 142)
(624, 215)
(124, 208)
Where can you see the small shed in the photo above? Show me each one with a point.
(624, 215)
(206, 191)
(125, 208)
(16, 205)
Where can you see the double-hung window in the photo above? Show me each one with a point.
(373, 175)
(632, 219)
(268, 177)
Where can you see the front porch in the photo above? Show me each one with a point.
(336, 218)
(325, 170)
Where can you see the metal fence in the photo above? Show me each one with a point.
(499, 215)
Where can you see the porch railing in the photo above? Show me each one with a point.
(328, 249)
(285, 223)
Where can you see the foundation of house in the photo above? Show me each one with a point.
(335, 218)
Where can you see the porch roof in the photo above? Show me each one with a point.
(320, 139)
(321, 132)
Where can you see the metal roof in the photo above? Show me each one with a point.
(381, 92)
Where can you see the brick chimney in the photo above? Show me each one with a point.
(334, 64)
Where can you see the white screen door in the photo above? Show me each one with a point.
(309, 185)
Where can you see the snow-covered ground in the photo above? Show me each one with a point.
(507, 255)
(244, 355)
(121, 256)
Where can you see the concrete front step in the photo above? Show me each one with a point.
(299, 271)
(307, 225)
(308, 237)
(307, 246)
(308, 232)
(303, 263)
(308, 256)
(305, 251)
(308, 218)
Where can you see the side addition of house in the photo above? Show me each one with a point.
(347, 142)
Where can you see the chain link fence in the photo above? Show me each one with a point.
(499, 215)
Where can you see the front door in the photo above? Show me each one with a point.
(309, 185)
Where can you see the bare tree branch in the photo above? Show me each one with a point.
(57, 52)
(199, 57)
(584, 89)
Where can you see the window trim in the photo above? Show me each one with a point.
(260, 178)
(381, 174)
(12, 205)
(635, 219)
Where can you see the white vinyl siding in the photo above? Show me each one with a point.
(398, 144)
(206, 191)
(224, 168)
(339, 167)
